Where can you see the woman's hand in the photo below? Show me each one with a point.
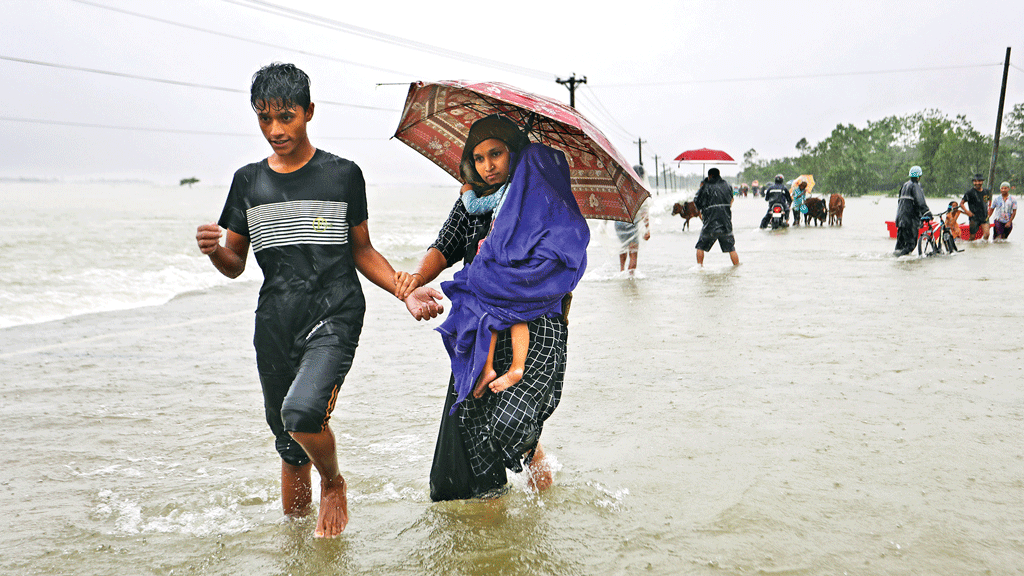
(405, 283)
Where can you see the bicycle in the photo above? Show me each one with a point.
(926, 244)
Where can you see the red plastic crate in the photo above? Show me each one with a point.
(965, 232)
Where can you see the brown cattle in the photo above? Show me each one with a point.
(836, 205)
(815, 209)
(686, 210)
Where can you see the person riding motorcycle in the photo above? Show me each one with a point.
(776, 193)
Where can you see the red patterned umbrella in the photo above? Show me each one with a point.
(437, 117)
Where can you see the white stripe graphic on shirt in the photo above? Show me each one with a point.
(297, 222)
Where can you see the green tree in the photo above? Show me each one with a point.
(189, 181)
(1011, 147)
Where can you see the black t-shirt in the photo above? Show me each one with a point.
(977, 202)
(298, 225)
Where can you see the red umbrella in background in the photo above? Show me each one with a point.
(437, 117)
(705, 156)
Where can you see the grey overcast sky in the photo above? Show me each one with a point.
(158, 90)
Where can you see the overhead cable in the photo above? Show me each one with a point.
(239, 38)
(318, 20)
(591, 97)
(175, 82)
(151, 129)
(796, 76)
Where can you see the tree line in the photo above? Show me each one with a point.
(876, 158)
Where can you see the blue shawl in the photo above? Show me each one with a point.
(535, 253)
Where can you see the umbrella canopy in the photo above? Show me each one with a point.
(437, 117)
(704, 155)
(806, 178)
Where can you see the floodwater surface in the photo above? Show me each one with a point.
(824, 408)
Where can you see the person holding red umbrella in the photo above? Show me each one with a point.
(714, 200)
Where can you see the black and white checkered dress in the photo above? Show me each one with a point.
(502, 430)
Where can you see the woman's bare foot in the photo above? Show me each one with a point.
(486, 377)
(507, 380)
(333, 509)
(541, 477)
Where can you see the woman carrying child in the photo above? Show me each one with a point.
(534, 255)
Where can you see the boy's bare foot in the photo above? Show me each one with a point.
(486, 377)
(541, 477)
(507, 380)
(333, 508)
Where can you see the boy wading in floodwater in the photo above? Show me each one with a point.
(304, 212)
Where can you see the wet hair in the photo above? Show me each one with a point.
(494, 126)
(714, 173)
(281, 86)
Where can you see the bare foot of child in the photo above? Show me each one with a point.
(541, 477)
(507, 380)
(486, 377)
(333, 509)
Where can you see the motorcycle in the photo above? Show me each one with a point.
(778, 216)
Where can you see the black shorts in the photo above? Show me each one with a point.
(726, 241)
(302, 400)
(975, 224)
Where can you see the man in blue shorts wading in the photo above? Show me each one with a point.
(303, 211)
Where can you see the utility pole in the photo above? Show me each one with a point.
(999, 123)
(656, 182)
(571, 83)
(640, 146)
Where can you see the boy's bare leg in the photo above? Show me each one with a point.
(320, 447)
(540, 475)
(296, 489)
(735, 258)
(520, 346)
(487, 375)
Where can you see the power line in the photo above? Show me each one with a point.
(239, 38)
(151, 129)
(174, 82)
(318, 20)
(591, 97)
(798, 76)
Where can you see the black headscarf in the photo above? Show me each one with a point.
(494, 126)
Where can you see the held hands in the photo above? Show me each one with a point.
(423, 303)
(208, 238)
(405, 283)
